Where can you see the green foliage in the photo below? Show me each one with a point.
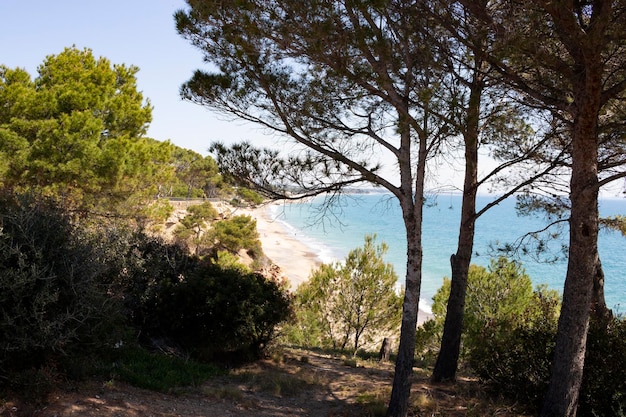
(52, 288)
(76, 132)
(158, 211)
(517, 360)
(250, 196)
(173, 298)
(141, 269)
(194, 225)
(427, 342)
(519, 323)
(521, 330)
(70, 293)
(603, 392)
(202, 212)
(214, 311)
(498, 294)
(195, 175)
(236, 233)
(159, 372)
(353, 302)
(226, 260)
(615, 223)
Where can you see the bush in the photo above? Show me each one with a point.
(518, 365)
(140, 267)
(350, 304)
(236, 233)
(215, 311)
(603, 391)
(69, 294)
(176, 299)
(250, 196)
(52, 292)
(497, 296)
(516, 361)
(518, 323)
(226, 260)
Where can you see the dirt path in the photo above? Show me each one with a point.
(301, 383)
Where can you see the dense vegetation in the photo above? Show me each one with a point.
(70, 290)
(346, 305)
(509, 339)
(81, 277)
(82, 274)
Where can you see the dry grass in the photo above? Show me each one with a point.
(289, 383)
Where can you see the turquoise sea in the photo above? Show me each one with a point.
(360, 214)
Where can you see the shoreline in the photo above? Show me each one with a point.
(295, 259)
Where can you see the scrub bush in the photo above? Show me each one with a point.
(603, 391)
(515, 359)
(217, 312)
(52, 294)
(509, 329)
(513, 352)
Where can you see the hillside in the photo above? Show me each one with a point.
(294, 383)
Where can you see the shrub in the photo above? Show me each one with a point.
(518, 365)
(236, 233)
(346, 305)
(141, 268)
(244, 197)
(603, 391)
(497, 296)
(215, 311)
(226, 260)
(516, 361)
(250, 196)
(176, 299)
(52, 292)
(518, 323)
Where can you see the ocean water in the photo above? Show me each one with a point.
(333, 236)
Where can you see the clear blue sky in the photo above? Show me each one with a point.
(131, 32)
(140, 33)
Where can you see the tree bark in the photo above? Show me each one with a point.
(448, 358)
(567, 366)
(600, 313)
(401, 390)
(385, 350)
(412, 204)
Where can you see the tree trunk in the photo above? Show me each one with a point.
(448, 358)
(567, 366)
(412, 204)
(600, 313)
(401, 390)
(385, 350)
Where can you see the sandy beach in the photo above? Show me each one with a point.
(295, 259)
